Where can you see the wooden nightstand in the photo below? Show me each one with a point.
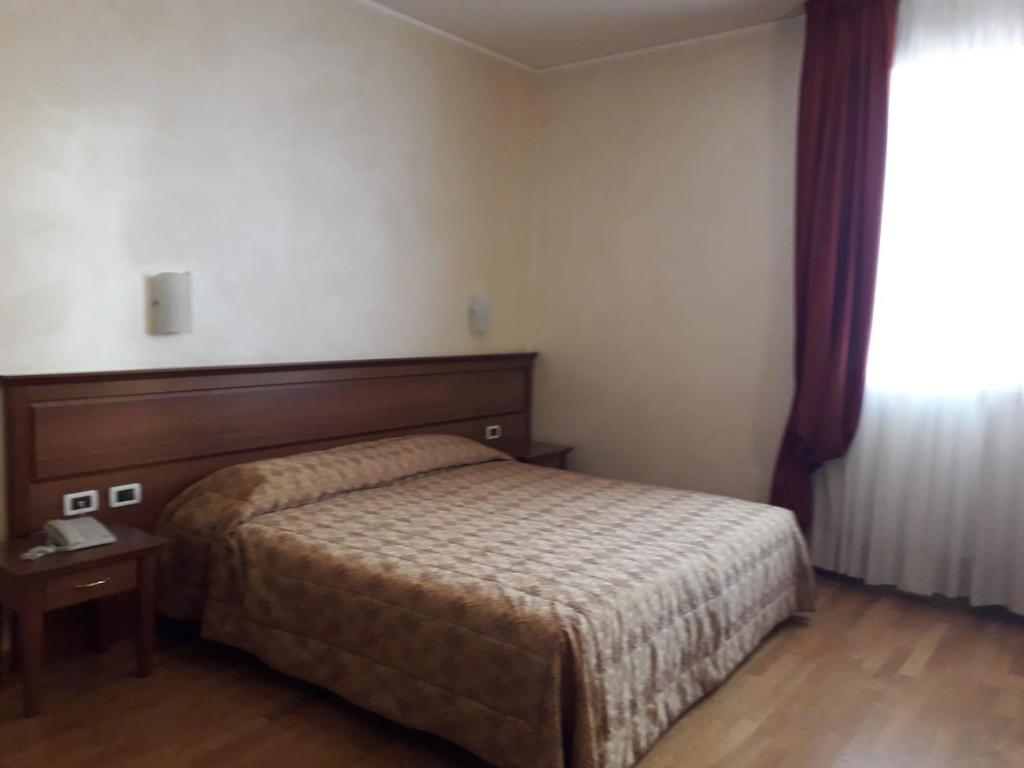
(543, 454)
(30, 588)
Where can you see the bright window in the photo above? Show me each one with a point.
(949, 312)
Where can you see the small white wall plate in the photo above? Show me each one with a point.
(124, 495)
(81, 503)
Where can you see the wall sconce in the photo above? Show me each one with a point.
(479, 314)
(170, 303)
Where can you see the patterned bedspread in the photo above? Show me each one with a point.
(539, 618)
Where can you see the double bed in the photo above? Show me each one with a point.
(537, 617)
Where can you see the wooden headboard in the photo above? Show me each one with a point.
(168, 428)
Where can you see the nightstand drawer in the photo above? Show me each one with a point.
(90, 584)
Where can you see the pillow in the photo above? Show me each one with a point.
(207, 511)
(269, 485)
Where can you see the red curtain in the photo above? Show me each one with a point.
(840, 175)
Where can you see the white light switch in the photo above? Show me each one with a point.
(492, 432)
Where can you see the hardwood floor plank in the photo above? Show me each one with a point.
(873, 679)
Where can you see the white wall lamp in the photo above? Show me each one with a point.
(170, 303)
(479, 314)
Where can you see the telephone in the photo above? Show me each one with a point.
(69, 535)
(83, 532)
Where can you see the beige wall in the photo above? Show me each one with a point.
(664, 237)
(338, 180)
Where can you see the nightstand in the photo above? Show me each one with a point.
(30, 588)
(543, 454)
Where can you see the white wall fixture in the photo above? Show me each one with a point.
(479, 314)
(170, 303)
(124, 495)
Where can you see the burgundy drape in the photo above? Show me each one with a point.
(840, 174)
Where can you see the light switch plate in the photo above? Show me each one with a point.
(124, 495)
(492, 432)
(81, 503)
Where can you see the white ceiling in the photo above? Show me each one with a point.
(551, 33)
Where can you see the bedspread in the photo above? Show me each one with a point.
(540, 618)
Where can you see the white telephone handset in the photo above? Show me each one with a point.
(69, 535)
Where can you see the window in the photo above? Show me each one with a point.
(949, 307)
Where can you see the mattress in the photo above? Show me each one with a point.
(537, 617)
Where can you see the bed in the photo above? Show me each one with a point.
(537, 617)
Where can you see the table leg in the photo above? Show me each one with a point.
(13, 662)
(146, 609)
(5, 652)
(30, 655)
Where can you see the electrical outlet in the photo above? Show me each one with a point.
(492, 432)
(124, 495)
(81, 503)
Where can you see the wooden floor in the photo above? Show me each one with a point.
(874, 679)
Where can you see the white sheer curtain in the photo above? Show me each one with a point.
(931, 495)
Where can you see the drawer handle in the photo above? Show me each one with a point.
(92, 584)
